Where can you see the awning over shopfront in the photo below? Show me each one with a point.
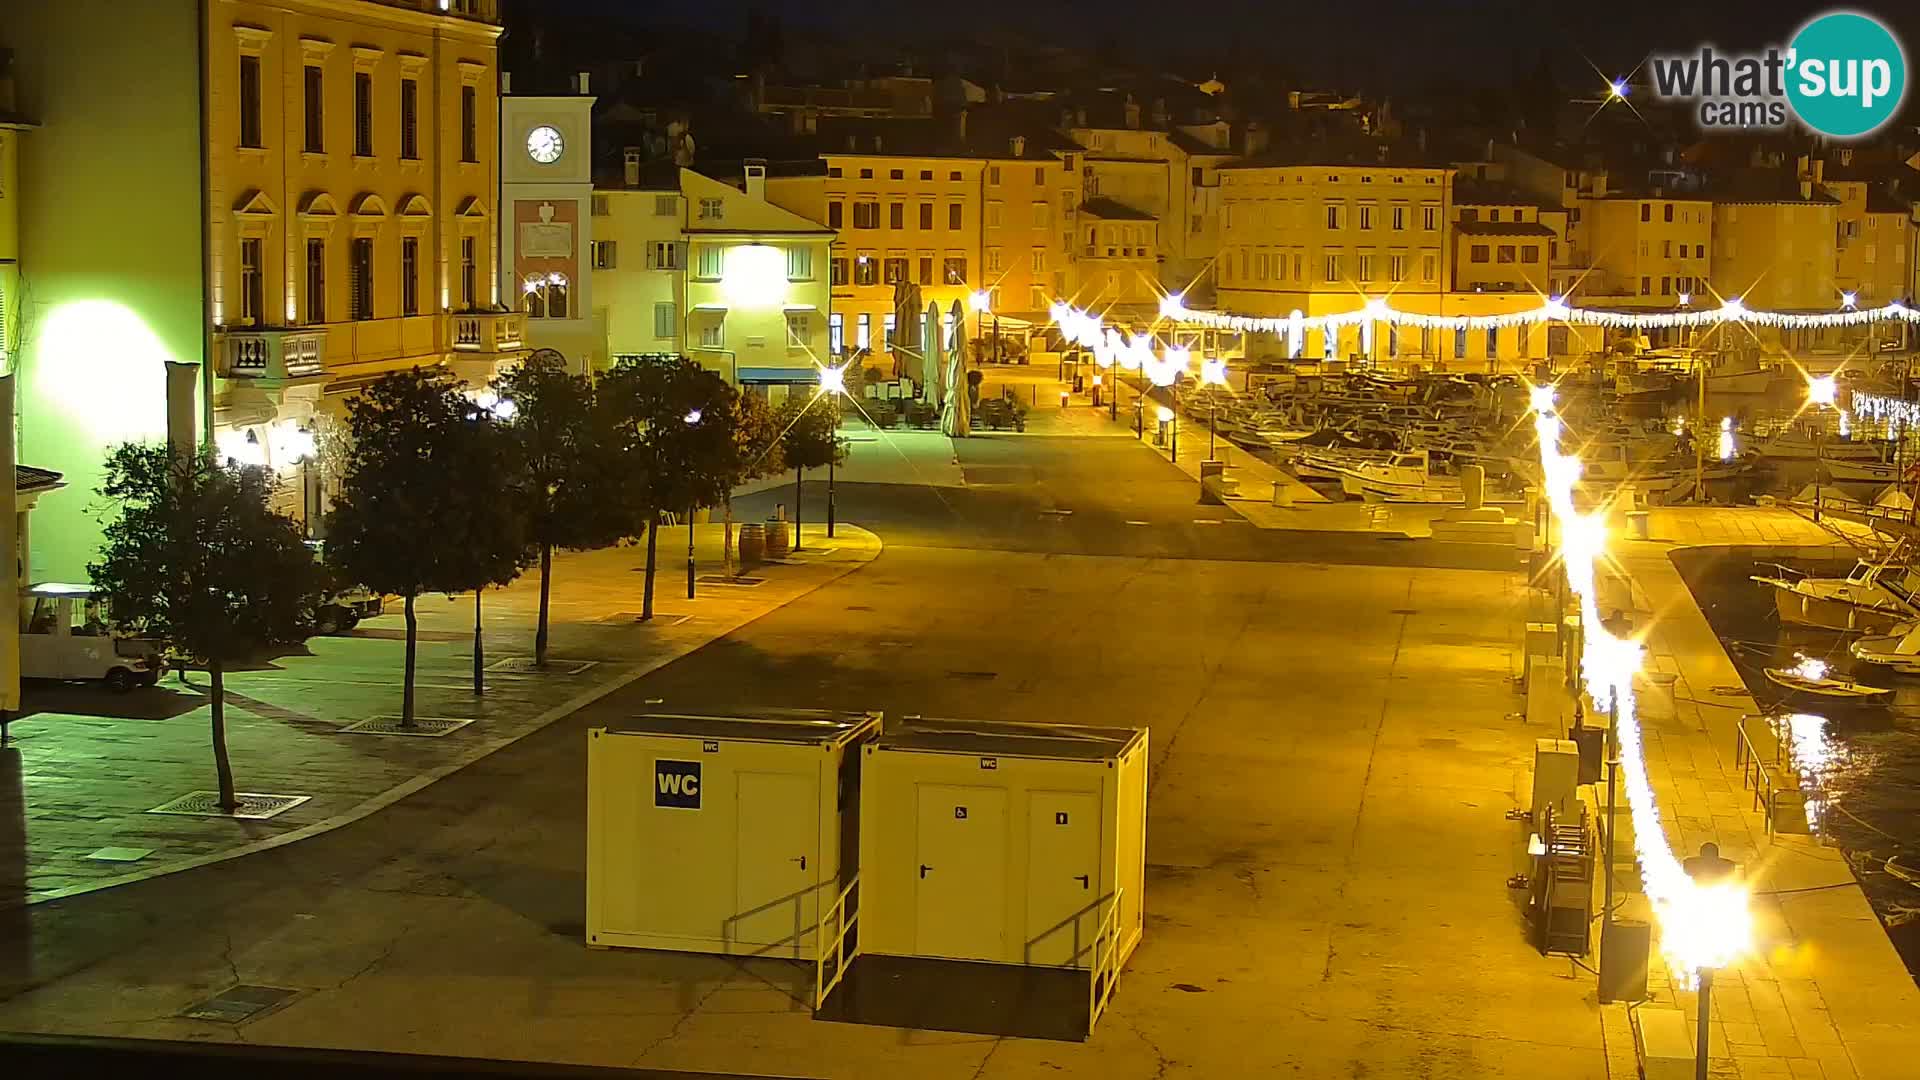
(778, 375)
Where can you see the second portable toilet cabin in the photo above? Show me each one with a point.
(1001, 842)
(721, 833)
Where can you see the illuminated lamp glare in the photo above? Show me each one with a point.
(754, 276)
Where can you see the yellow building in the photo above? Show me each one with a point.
(1774, 247)
(1647, 251)
(1169, 175)
(297, 197)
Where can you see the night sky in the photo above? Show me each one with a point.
(1392, 45)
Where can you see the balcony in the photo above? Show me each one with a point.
(274, 354)
(489, 331)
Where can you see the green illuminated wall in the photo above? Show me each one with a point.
(111, 265)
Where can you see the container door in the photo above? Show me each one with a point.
(1063, 877)
(961, 905)
(777, 858)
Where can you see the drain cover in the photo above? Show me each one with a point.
(980, 676)
(524, 665)
(741, 581)
(239, 1004)
(253, 806)
(428, 727)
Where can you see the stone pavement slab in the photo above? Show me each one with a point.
(90, 764)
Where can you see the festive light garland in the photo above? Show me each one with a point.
(1880, 408)
(1555, 309)
(1701, 926)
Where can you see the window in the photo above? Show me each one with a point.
(713, 333)
(1469, 214)
(1333, 215)
(667, 255)
(469, 124)
(1043, 215)
(1700, 251)
(555, 291)
(1297, 274)
(866, 269)
(663, 320)
(955, 269)
(1397, 268)
(862, 330)
(1193, 225)
(1366, 216)
(834, 171)
(1530, 253)
(954, 175)
(714, 209)
(360, 278)
(866, 174)
(1037, 297)
(250, 101)
(1429, 217)
(666, 205)
(953, 215)
(1669, 212)
(897, 174)
(1522, 332)
(410, 275)
(363, 114)
(837, 334)
(1429, 268)
(799, 330)
(1478, 253)
(926, 215)
(993, 260)
(603, 255)
(1366, 268)
(469, 273)
(315, 142)
(799, 263)
(836, 215)
(897, 215)
(409, 118)
(1493, 342)
(1666, 249)
(894, 270)
(866, 215)
(1493, 215)
(1504, 254)
(1646, 211)
(993, 175)
(598, 206)
(1199, 176)
(1666, 286)
(316, 281)
(1646, 286)
(1333, 268)
(1460, 343)
(886, 330)
(838, 269)
(252, 289)
(926, 174)
(1399, 218)
(995, 210)
(1039, 262)
(926, 270)
(712, 262)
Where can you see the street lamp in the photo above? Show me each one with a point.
(1166, 373)
(833, 383)
(981, 301)
(692, 418)
(1707, 869)
(1213, 372)
(1820, 395)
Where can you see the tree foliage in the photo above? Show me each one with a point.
(811, 427)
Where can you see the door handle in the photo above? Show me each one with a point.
(1082, 879)
(802, 860)
(923, 871)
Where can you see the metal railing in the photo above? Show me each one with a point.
(1777, 780)
(1106, 961)
(831, 941)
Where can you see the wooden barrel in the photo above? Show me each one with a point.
(753, 544)
(779, 540)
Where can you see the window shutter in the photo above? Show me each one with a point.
(653, 256)
(679, 255)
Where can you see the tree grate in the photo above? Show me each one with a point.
(632, 618)
(524, 665)
(742, 581)
(241, 1003)
(253, 806)
(427, 727)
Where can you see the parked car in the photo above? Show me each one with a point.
(342, 604)
(68, 637)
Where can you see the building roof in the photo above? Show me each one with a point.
(1470, 192)
(1502, 228)
(1765, 186)
(29, 478)
(987, 132)
(1110, 210)
(1344, 153)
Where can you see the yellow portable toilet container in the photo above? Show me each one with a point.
(1000, 842)
(721, 833)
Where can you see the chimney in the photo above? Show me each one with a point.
(1018, 144)
(580, 84)
(876, 144)
(1819, 170)
(1133, 114)
(1600, 184)
(631, 165)
(1066, 119)
(1160, 113)
(506, 84)
(1080, 117)
(852, 145)
(960, 123)
(756, 179)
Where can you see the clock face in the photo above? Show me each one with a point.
(543, 145)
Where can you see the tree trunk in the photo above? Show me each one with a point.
(223, 768)
(406, 691)
(726, 548)
(540, 634)
(479, 647)
(798, 472)
(653, 533)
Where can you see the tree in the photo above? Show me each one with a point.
(196, 560)
(494, 525)
(405, 515)
(670, 422)
(810, 438)
(756, 453)
(567, 482)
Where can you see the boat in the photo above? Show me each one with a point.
(1877, 472)
(1329, 463)
(1812, 680)
(1870, 599)
(1407, 477)
(1796, 445)
(1899, 650)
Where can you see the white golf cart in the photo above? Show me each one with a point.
(67, 637)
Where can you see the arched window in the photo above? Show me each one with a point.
(546, 296)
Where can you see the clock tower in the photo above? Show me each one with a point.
(546, 220)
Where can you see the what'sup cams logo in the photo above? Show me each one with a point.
(1843, 76)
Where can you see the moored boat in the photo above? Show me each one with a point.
(1870, 599)
(1812, 680)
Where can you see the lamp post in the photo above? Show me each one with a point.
(489, 408)
(1820, 395)
(693, 418)
(1706, 869)
(1213, 372)
(833, 383)
(981, 301)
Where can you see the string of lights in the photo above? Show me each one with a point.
(1555, 309)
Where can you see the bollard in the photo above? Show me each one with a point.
(1282, 493)
(1473, 484)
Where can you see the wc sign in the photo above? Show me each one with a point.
(676, 784)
